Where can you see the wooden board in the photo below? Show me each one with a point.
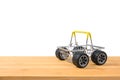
(50, 68)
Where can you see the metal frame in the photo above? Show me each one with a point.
(88, 36)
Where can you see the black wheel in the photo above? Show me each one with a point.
(61, 54)
(99, 57)
(80, 59)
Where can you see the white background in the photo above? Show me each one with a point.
(37, 27)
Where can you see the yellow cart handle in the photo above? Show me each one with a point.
(83, 32)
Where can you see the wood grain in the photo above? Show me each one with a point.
(50, 68)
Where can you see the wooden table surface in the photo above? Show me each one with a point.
(50, 68)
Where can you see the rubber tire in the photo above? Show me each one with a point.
(58, 54)
(76, 58)
(95, 55)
